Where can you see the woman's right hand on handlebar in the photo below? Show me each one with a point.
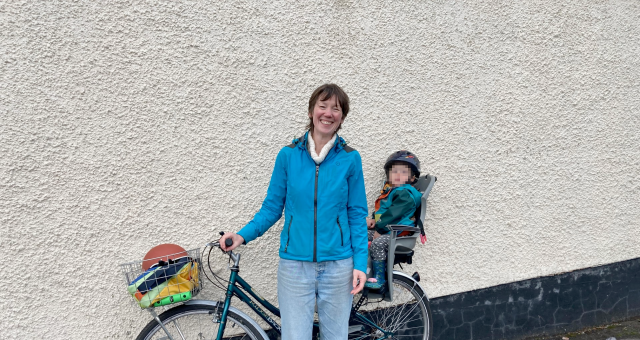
(237, 240)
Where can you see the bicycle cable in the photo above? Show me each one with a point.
(219, 284)
(221, 280)
(203, 270)
(223, 283)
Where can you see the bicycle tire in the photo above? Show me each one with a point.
(407, 317)
(195, 322)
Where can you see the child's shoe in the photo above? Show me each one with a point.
(379, 275)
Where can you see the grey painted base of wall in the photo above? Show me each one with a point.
(545, 305)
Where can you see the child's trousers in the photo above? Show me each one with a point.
(379, 246)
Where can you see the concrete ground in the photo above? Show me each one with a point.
(624, 330)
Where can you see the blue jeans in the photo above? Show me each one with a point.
(303, 284)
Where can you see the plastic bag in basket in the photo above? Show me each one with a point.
(163, 281)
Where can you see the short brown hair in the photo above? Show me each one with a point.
(325, 92)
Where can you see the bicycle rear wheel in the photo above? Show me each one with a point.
(195, 322)
(408, 316)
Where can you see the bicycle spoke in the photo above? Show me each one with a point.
(196, 323)
(406, 317)
(175, 323)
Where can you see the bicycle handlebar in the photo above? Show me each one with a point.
(228, 242)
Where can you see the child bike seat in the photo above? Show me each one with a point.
(403, 238)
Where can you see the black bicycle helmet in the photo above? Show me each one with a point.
(405, 157)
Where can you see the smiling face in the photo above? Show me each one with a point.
(326, 116)
(326, 93)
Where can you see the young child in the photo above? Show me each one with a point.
(396, 205)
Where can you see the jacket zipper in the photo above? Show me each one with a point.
(341, 237)
(288, 234)
(315, 217)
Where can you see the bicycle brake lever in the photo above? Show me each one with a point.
(212, 244)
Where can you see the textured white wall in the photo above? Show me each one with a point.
(125, 124)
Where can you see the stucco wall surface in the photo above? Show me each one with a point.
(125, 124)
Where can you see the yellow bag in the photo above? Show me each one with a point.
(183, 281)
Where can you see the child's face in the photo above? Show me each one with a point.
(399, 174)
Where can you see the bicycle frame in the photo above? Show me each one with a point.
(233, 289)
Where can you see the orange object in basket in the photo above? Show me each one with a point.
(162, 252)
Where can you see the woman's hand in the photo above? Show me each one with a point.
(376, 235)
(237, 240)
(359, 278)
(371, 223)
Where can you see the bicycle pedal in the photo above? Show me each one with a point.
(355, 328)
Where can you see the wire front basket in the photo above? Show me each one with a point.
(164, 280)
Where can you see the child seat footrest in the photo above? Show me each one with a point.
(403, 258)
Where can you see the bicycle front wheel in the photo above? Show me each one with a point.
(408, 316)
(196, 322)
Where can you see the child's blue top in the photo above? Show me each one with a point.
(398, 208)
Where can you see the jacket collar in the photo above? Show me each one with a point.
(301, 142)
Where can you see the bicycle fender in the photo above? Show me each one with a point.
(231, 308)
(414, 281)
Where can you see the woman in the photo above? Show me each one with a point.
(318, 182)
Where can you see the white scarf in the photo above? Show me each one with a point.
(325, 149)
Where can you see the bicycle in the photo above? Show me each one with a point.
(406, 315)
(400, 311)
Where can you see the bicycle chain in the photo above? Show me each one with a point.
(363, 297)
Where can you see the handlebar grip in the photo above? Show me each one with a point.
(228, 242)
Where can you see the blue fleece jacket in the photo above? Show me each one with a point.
(325, 205)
